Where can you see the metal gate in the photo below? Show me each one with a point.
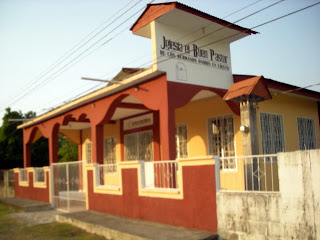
(68, 186)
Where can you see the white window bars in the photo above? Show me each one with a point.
(253, 173)
(160, 175)
(108, 175)
(307, 133)
(272, 133)
(23, 175)
(39, 175)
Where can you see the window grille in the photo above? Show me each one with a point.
(23, 175)
(221, 140)
(181, 141)
(272, 133)
(109, 153)
(138, 146)
(39, 175)
(88, 152)
(307, 134)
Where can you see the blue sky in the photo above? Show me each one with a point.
(34, 34)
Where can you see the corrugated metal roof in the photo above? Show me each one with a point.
(254, 87)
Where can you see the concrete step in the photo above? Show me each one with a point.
(114, 227)
(25, 205)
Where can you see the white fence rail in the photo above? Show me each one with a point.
(39, 175)
(249, 173)
(108, 175)
(23, 175)
(160, 175)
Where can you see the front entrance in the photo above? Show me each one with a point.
(69, 193)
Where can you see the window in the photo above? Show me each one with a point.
(221, 136)
(181, 141)
(221, 140)
(88, 152)
(138, 146)
(109, 150)
(307, 134)
(272, 133)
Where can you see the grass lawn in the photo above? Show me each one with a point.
(13, 230)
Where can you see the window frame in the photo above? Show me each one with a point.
(178, 141)
(210, 143)
(138, 151)
(313, 129)
(88, 153)
(105, 152)
(262, 134)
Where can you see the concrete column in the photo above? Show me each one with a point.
(97, 143)
(26, 155)
(53, 145)
(250, 142)
(26, 149)
(248, 116)
(167, 133)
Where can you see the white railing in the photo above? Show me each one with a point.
(39, 175)
(249, 173)
(23, 175)
(108, 175)
(160, 175)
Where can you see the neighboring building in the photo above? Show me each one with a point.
(187, 106)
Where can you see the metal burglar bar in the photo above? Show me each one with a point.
(160, 175)
(68, 192)
(307, 133)
(253, 173)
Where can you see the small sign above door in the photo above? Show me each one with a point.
(138, 122)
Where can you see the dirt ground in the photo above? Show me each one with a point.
(37, 225)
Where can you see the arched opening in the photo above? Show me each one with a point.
(40, 153)
(67, 150)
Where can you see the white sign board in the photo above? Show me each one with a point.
(188, 61)
(138, 122)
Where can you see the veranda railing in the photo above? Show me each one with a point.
(249, 173)
(39, 175)
(108, 175)
(23, 175)
(160, 175)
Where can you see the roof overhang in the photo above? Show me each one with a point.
(254, 87)
(282, 88)
(96, 95)
(189, 20)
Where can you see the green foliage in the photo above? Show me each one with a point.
(11, 143)
(68, 151)
(40, 153)
(11, 148)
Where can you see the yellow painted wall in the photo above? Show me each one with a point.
(113, 130)
(290, 107)
(109, 130)
(195, 115)
(72, 135)
(37, 136)
(86, 137)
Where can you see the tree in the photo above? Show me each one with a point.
(68, 151)
(11, 142)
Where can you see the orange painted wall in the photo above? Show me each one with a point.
(196, 210)
(31, 192)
